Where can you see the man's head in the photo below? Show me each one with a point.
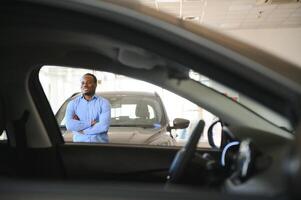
(88, 84)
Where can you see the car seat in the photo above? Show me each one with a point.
(142, 111)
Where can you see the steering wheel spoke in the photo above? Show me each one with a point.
(185, 154)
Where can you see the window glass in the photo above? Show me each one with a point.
(259, 109)
(151, 112)
(140, 112)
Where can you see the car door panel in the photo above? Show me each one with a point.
(130, 162)
(101, 161)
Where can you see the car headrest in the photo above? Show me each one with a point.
(142, 111)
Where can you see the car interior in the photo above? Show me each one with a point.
(248, 163)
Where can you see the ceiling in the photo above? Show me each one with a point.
(233, 14)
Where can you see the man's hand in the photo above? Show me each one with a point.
(93, 122)
(75, 117)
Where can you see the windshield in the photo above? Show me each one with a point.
(135, 110)
(259, 109)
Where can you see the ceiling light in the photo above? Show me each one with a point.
(167, 1)
(191, 18)
(264, 2)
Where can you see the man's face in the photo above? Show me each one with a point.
(88, 85)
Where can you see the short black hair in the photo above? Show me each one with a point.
(93, 76)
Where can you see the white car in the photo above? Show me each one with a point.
(136, 118)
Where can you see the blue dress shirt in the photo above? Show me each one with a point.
(98, 109)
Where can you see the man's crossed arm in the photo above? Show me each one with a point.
(73, 122)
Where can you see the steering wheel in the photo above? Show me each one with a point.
(185, 154)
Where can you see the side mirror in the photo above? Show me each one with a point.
(215, 134)
(179, 123)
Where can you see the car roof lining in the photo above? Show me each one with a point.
(146, 33)
(143, 19)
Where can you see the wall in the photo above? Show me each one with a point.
(285, 43)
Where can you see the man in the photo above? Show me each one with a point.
(88, 116)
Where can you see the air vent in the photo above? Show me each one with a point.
(191, 18)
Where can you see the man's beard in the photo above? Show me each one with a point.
(91, 93)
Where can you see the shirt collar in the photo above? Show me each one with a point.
(93, 97)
